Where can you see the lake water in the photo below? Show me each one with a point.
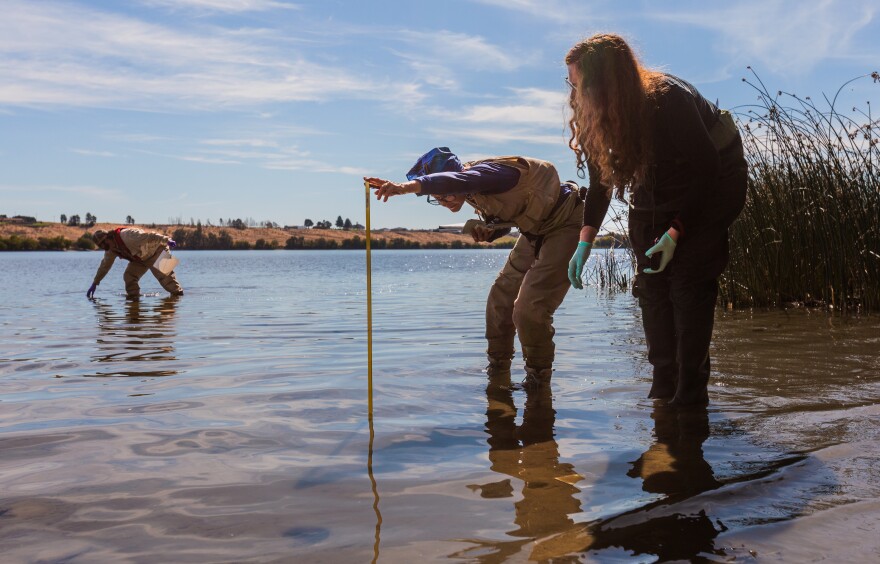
(232, 424)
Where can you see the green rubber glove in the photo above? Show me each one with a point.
(665, 245)
(576, 264)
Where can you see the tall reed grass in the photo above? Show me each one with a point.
(810, 231)
(612, 270)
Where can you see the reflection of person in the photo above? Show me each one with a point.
(143, 335)
(675, 467)
(524, 192)
(141, 249)
(547, 513)
(681, 159)
(528, 453)
(674, 464)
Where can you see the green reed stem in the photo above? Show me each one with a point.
(809, 233)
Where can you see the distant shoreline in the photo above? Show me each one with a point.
(55, 237)
(60, 237)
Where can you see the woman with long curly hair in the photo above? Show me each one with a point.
(652, 139)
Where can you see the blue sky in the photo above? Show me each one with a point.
(275, 109)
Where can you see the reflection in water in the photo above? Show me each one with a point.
(527, 453)
(673, 465)
(144, 334)
(373, 485)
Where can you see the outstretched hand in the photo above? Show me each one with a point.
(385, 188)
(91, 293)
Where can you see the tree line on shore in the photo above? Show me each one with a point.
(200, 240)
(249, 222)
(89, 221)
(19, 243)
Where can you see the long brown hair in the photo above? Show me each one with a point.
(612, 107)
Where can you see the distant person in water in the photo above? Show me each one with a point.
(653, 137)
(509, 191)
(141, 249)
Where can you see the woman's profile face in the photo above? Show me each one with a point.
(574, 77)
(583, 97)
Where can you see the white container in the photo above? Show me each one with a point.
(166, 263)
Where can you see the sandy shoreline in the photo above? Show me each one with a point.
(847, 533)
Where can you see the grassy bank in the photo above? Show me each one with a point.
(45, 236)
(57, 243)
(58, 237)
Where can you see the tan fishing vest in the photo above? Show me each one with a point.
(528, 203)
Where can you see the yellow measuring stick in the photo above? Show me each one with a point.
(370, 383)
(369, 308)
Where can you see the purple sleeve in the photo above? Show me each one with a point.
(483, 178)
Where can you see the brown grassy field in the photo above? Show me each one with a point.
(250, 235)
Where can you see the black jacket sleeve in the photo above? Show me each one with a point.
(598, 199)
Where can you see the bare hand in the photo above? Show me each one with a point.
(385, 188)
(481, 234)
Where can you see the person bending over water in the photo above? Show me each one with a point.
(141, 249)
(680, 159)
(519, 191)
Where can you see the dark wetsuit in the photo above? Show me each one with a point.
(700, 189)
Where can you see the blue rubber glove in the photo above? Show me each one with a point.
(172, 243)
(576, 264)
(665, 245)
(91, 293)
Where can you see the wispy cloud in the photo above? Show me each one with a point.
(54, 53)
(91, 153)
(530, 115)
(439, 58)
(228, 6)
(316, 166)
(255, 152)
(570, 17)
(498, 135)
(136, 137)
(240, 142)
(84, 191)
(785, 36)
(561, 11)
(471, 52)
(532, 106)
(206, 160)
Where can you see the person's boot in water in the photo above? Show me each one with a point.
(537, 378)
(498, 366)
